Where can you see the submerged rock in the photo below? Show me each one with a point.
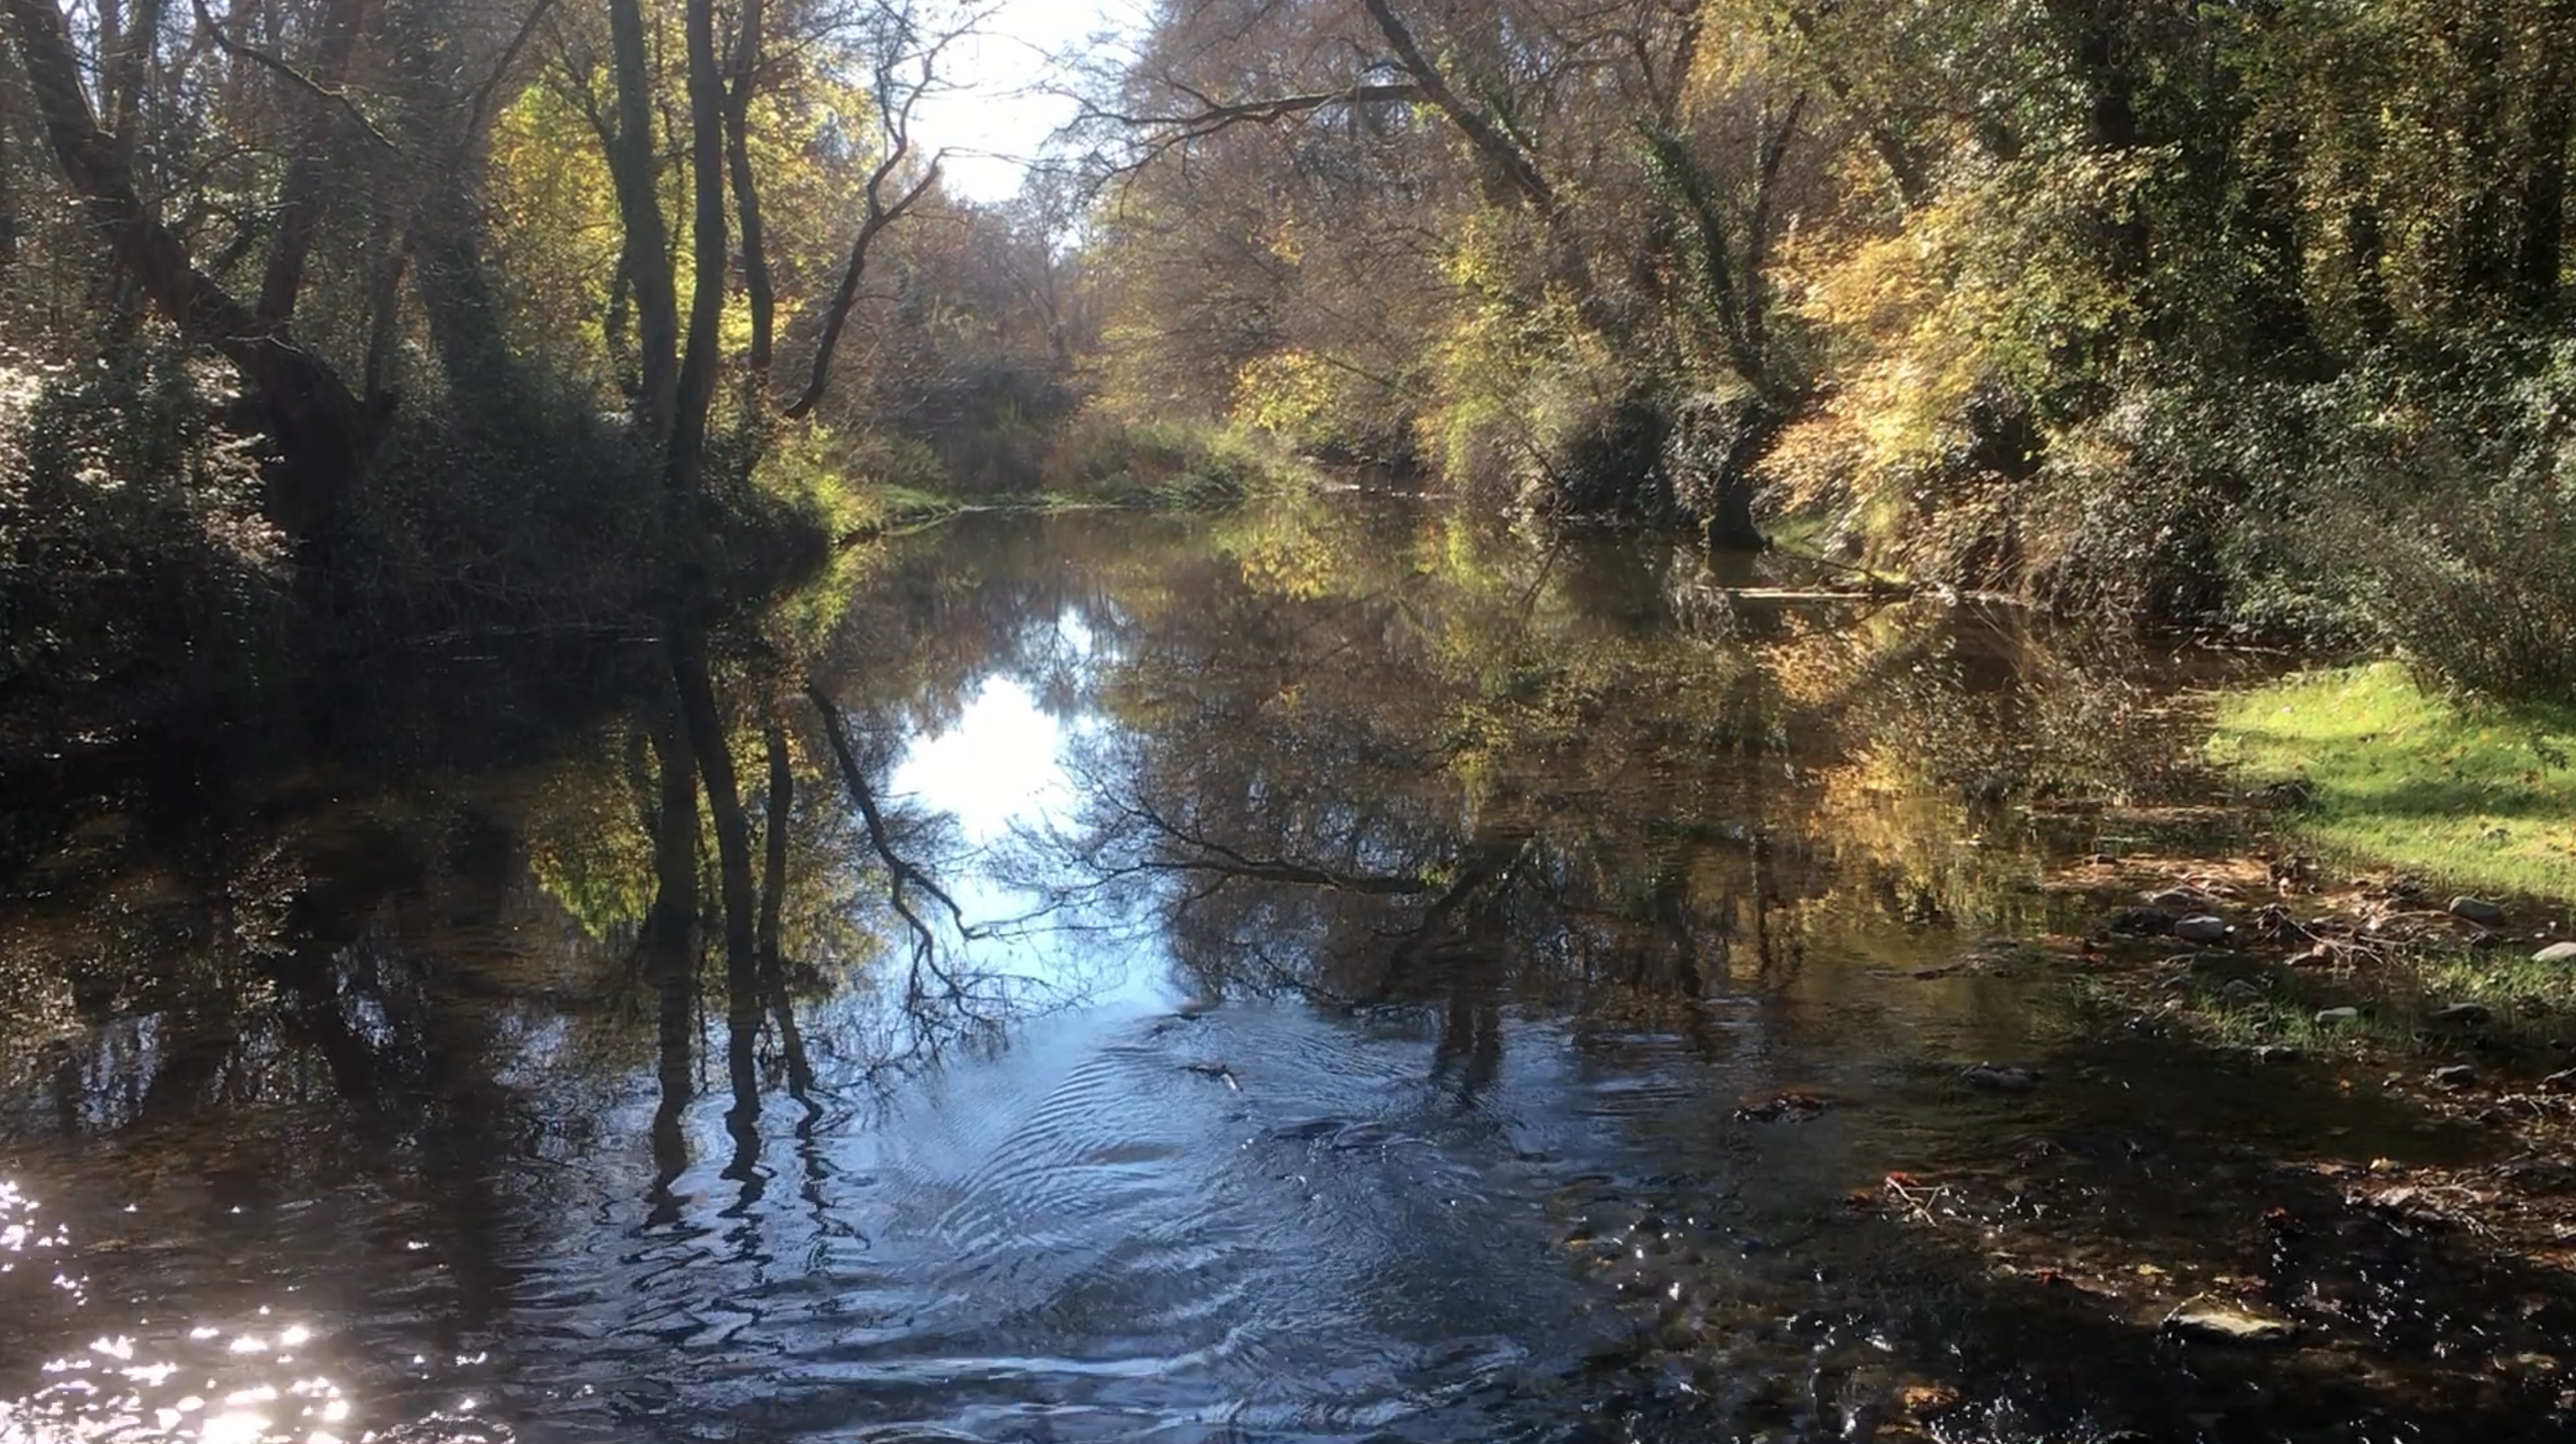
(2207, 928)
(2000, 1078)
(1787, 1108)
(2477, 910)
(2218, 1321)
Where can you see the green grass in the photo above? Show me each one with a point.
(2468, 794)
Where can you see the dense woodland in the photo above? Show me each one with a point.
(2206, 315)
(349, 322)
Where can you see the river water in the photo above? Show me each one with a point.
(1417, 983)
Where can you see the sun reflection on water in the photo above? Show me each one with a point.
(202, 1382)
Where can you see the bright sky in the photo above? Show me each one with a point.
(1002, 115)
(1000, 766)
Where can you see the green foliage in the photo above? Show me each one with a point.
(2474, 794)
(837, 479)
(2445, 506)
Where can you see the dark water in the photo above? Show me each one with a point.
(1386, 936)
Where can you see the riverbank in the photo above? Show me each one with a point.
(2375, 771)
(1094, 463)
(145, 588)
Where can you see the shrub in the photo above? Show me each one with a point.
(2450, 515)
(134, 564)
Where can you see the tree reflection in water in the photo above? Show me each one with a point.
(1380, 759)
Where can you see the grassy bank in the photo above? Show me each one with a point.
(2472, 795)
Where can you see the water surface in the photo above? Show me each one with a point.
(1419, 983)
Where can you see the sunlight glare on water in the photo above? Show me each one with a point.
(202, 1384)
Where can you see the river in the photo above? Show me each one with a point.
(1417, 983)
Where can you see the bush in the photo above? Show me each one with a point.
(554, 517)
(2449, 514)
(135, 567)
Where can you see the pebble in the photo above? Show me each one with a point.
(2203, 929)
(2477, 910)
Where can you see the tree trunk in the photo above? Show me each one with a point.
(707, 740)
(773, 885)
(773, 900)
(2544, 185)
(300, 196)
(756, 284)
(9, 223)
(697, 383)
(670, 945)
(457, 298)
(318, 426)
(634, 171)
(1730, 524)
(389, 256)
(2486, 259)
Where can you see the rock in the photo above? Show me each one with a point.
(2463, 1015)
(2139, 923)
(1999, 1078)
(2556, 953)
(2241, 993)
(2276, 1053)
(2181, 899)
(2338, 1017)
(2559, 1082)
(2477, 910)
(2219, 1322)
(2458, 1075)
(2205, 929)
